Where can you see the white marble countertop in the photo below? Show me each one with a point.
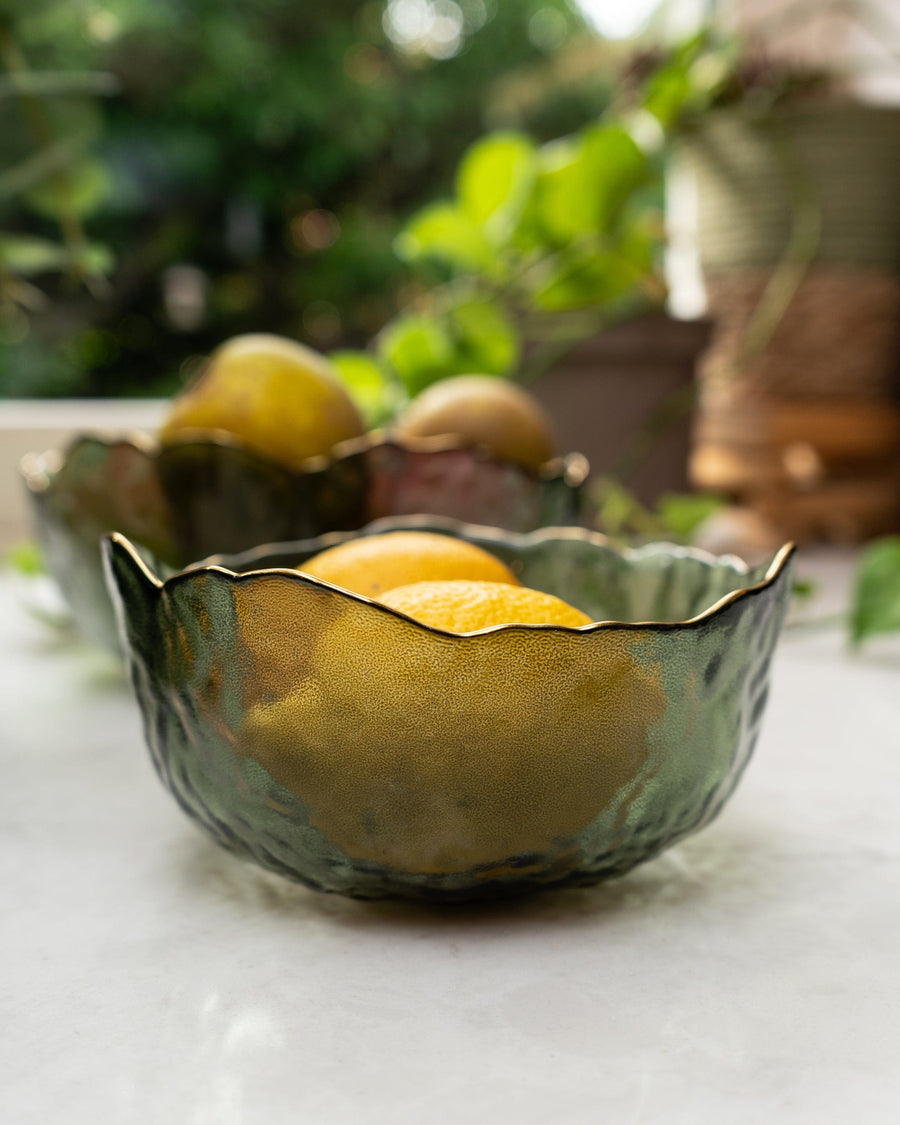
(751, 974)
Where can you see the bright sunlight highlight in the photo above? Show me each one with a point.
(618, 19)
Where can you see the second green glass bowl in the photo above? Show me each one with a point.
(190, 499)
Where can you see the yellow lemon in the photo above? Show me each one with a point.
(275, 396)
(438, 754)
(373, 564)
(464, 606)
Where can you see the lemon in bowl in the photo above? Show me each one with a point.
(340, 741)
(465, 606)
(375, 564)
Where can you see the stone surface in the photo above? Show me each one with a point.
(748, 975)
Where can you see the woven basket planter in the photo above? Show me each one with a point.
(803, 423)
(608, 389)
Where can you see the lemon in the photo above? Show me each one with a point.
(482, 410)
(432, 753)
(273, 395)
(373, 564)
(436, 754)
(464, 606)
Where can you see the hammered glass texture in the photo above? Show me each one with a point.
(345, 746)
(187, 501)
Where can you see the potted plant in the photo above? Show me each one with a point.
(544, 267)
(798, 237)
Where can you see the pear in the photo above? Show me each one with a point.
(482, 410)
(273, 395)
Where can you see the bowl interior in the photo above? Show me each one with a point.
(659, 582)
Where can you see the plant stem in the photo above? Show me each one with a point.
(789, 271)
(42, 130)
(546, 355)
(672, 409)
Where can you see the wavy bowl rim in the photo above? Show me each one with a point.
(774, 570)
(40, 470)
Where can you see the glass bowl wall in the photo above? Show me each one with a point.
(344, 745)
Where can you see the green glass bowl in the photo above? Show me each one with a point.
(344, 745)
(190, 499)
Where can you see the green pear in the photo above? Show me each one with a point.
(273, 395)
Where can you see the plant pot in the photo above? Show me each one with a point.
(608, 389)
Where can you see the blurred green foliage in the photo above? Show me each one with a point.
(681, 82)
(539, 247)
(543, 245)
(25, 558)
(676, 516)
(876, 596)
(243, 166)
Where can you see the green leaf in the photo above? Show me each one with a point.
(472, 336)
(563, 208)
(613, 167)
(96, 259)
(36, 168)
(376, 395)
(26, 558)
(494, 180)
(639, 239)
(82, 188)
(876, 597)
(599, 270)
(446, 232)
(486, 340)
(53, 83)
(681, 513)
(668, 93)
(619, 513)
(585, 278)
(26, 255)
(689, 80)
(418, 348)
(584, 182)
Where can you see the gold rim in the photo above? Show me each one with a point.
(40, 470)
(773, 572)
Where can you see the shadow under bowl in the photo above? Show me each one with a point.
(342, 744)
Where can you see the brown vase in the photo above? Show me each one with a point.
(609, 389)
